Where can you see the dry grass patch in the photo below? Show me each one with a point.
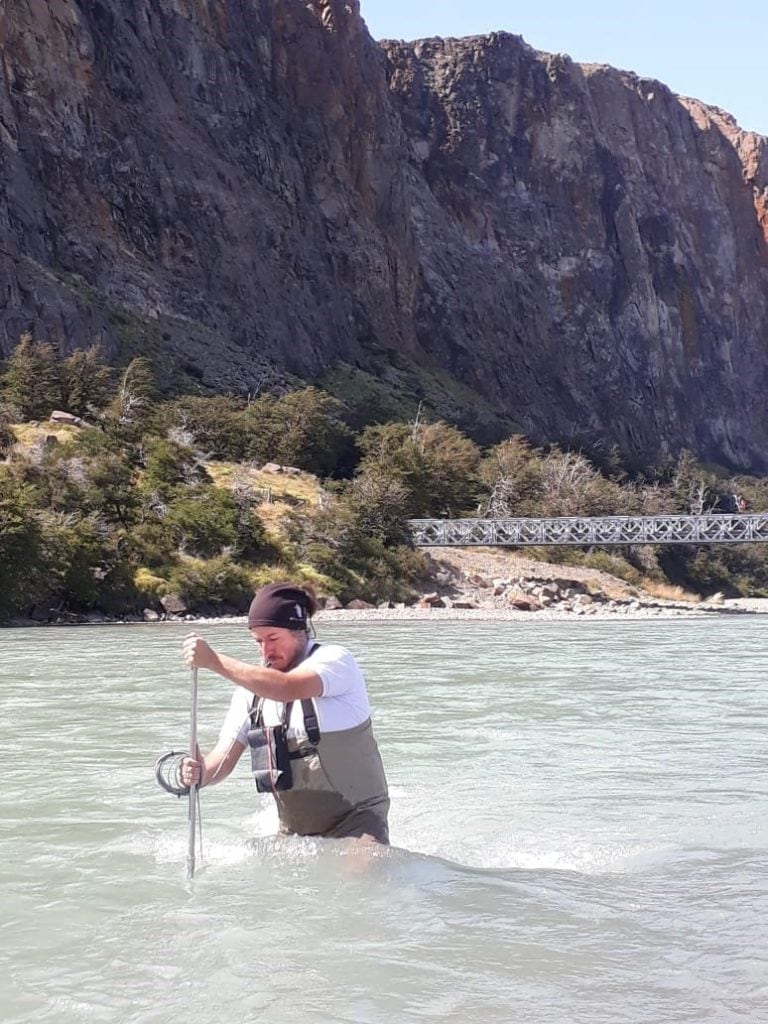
(286, 491)
(272, 516)
(290, 488)
(27, 434)
(669, 592)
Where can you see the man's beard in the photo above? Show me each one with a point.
(298, 655)
(295, 659)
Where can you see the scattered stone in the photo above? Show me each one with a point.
(717, 598)
(357, 604)
(275, 467)
(174, 604)
(564, 584)
(59, 416)
(332, 603)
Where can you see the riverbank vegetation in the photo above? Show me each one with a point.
(138, 504)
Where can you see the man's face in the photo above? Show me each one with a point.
(279, 647)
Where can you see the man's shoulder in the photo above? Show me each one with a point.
(331, 651)
(333, 654)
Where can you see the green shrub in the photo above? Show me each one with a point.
(217, 425)
(217, 581)
(434, 463)
(89, 566)
(311, 435)
(150, 544)
(252, 542)
(23, 563)
(202, 521)
(32, 379)
(169, 465)
(614, 565)
(7, 438)
(86, 381)
(360, 564)
(736, 570)
(511, 474)
(131, 408)
(148, 585)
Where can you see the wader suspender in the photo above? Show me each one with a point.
(307, 709)
(271, 755)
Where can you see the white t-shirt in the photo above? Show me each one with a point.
(342, 705)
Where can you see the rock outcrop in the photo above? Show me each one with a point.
(609, 240)
(248, 191)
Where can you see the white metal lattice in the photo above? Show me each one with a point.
(598, 530)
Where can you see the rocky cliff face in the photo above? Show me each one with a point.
(242, 189)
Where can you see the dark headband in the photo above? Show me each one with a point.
(282, 605)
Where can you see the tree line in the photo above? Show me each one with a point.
(124, 511)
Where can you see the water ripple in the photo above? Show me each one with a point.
(580, 816)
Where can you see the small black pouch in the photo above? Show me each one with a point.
(270, 758)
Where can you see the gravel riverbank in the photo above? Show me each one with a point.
(491, 584)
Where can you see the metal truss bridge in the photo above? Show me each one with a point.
(591, 530)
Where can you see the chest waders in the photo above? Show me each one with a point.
(330, 784)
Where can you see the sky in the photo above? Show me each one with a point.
(715, 52)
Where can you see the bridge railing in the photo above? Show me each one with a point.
(591, 530)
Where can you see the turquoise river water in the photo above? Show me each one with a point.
(580, 830)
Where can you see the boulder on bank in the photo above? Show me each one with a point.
(524, 604)
(174, 604)
(275, 467)
(59, 416)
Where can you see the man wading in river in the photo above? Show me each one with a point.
(304, 713)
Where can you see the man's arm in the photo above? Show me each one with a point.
(298, 684)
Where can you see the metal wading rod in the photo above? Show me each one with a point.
(192, 810)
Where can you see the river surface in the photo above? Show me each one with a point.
(580, 830)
